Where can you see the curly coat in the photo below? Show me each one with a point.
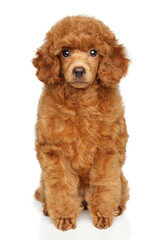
(81, 134)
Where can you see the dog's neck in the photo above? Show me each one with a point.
(73, 93)
(67, 93)
(69, 96)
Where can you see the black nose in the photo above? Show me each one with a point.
(78, 72)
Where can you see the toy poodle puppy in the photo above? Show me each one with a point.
(81, 133)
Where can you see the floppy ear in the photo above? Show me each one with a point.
(48, 66)
(114, 66)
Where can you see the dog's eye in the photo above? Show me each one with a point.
(93, 53)
(66, 53)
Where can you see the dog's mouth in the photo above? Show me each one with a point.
(79, 81)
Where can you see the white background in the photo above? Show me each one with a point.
(23, 25)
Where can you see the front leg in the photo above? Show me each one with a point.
(61, 189)
(105, 189)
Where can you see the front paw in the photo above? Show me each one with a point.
(102, 222)
(65, 223)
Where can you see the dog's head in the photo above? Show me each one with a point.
(81, 50)
(79, 68)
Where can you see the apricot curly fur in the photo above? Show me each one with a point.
(81, 133)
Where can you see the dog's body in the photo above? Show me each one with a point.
(81, 131)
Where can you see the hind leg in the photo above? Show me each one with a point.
(40, 196)
(124, 195)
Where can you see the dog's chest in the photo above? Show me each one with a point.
(76, 130)
(82, 129)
